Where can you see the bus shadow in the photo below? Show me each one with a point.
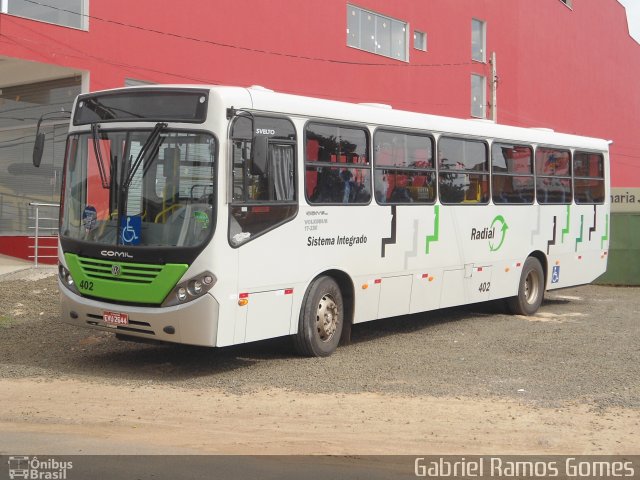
(416, 322)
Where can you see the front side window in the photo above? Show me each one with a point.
(337, 167)
(404, 168)
(68, 13)
(166, 200)
(588, 171)
(376, 33)
(553, 175)
(463, 171)
(512, 169)
(263, 190)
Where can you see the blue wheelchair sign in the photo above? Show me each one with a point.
(130, 228)
(555, 274)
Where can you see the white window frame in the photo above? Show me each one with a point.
(84, 21)
(483, 96)
(382, 17)
(423, 44)
(483, 40)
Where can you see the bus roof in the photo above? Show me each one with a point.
(262, 99)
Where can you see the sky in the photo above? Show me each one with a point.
(633, 16)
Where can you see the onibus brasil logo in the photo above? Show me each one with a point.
(496, 233)
(33, 468)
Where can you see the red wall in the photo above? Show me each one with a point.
(573, 70)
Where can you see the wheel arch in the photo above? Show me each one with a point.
(542, 258)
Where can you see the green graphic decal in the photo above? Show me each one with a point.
(122, 281)
(436, 227)
(503, 228)
(606, 231)
(202, 218)
(579, 239)
(567, 227)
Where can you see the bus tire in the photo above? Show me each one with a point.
(530, 289)
(321, 319)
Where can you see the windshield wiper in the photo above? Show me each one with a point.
(95, 133)
(105, 112)
(145, 155)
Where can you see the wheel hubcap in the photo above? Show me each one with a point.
(531, 287)
(327, 318)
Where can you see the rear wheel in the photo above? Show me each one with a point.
(530, 290)
(321, 319)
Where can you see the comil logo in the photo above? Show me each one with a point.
(33, 468)
(115, 254)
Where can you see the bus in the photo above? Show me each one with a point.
(214, 216)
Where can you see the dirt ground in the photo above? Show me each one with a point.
(72, 417)
(463, 382)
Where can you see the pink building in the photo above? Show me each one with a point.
(569, 65)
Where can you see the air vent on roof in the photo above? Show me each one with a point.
(261, 88)
(542, 129)
(378, 105)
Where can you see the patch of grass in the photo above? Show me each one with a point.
(5, 322)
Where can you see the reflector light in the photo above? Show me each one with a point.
(378, 281)
(243, 295)
(288, 291)
(425, 275)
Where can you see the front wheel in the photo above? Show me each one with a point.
(530, 289)
(321, 319)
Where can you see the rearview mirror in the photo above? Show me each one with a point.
(260, 153)
(38, 149)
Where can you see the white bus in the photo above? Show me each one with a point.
(222, 215)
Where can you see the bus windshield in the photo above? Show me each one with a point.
(167, 200)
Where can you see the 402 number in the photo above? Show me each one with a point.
(484, 287)
(86, 285)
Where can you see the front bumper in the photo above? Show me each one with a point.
(193, 323)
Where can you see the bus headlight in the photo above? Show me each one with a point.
(66, 279)
(190, 289)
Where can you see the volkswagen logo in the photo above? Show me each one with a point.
(116, 270)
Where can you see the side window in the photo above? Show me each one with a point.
(262, 176)
(337, 167)
(404, 171)
(588, 171)
(463, 171)
(512, 173)
(553, 175)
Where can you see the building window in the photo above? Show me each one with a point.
(478, 40)
(568, 3)
(376, 33)
(68, 13)
(420, 41)
(20, 182)
(478, 96)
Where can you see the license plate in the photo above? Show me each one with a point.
(115, 318)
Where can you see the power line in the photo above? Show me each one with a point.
(250, 49)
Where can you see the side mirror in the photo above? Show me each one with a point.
(38, 149)
(260, 153)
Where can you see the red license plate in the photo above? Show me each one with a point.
(115, 318)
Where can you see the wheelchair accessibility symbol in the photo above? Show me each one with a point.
(555, 274)
(130, 229)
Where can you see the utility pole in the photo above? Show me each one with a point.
(494, 89)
